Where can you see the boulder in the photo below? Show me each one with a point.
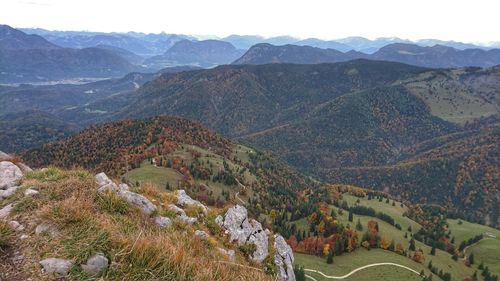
(8, 192)
(230, 254)
(183, 199)
(109, 187)
(9, 174)
(31, 192)
(244, 231)
(5, 211)
(59, 267)
(163, 221)
(138, 200)
(95, 265)
(16, 226)
(105, 184)
(283, 258)
(45, 228)
(176, 209)
(186, 219)
(102, 179)
(201, 234)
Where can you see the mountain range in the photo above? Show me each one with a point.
(206, 53)
(32, 58)
(437, 56)
(76, 55)
(354, 122)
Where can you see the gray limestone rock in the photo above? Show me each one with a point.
(95, 265)
(9, 174)
(283, 258)
(59, 267)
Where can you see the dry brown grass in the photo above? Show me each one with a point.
(137, 248)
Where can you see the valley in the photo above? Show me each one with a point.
(168, 156)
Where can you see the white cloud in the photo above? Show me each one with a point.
(468, 21)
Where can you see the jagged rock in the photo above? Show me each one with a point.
(95, 265)
(186, 219)
(138, 200)
(230, 254)
(283, 258)
(184, 199)
(8, 192)
(259, 238)
(31, 192)
(5, 211)
(163, 221)
(9, 174)
(176, 209)
(201, 234)
(59, 267)
(219, 220)
(45, 228)
(245, 231)
(16, 226)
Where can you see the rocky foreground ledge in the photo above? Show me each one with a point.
(40, 224)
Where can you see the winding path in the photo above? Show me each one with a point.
(358, 269)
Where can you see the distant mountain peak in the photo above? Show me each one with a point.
(11, 38)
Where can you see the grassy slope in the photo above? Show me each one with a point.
(442, 260)
(486, 250)
(161, 175)
(449, 98)
(90, 222)
(346, 263)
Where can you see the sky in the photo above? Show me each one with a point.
(476, 21)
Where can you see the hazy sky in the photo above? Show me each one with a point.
(467, 21)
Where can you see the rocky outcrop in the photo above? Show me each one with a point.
(283, 258)
(9, 174)
(183, 199)
(59, 267)
(95, 265)
(245, 231)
